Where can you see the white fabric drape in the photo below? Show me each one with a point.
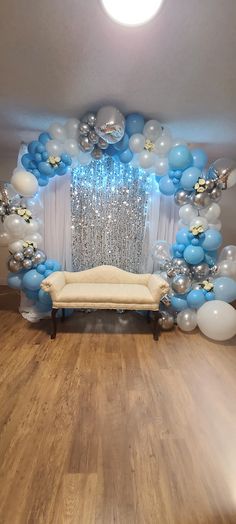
(161, 224)
(57, 220)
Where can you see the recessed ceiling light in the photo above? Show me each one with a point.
(131, 12)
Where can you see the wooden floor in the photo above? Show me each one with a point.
(104, 425)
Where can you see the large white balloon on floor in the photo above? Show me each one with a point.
(217, 320)
(24, 183)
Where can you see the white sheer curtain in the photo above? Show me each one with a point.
(57, 220)
(161, 224)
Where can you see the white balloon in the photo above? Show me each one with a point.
(215, 225)
(71, 147)
(227, 268)
(137, 142)
(24, 183)
(146, 159)
(212, 212)
(57, 132)
(17, 245)
(152, 130)
(163, 144)
(217, 320)
(34, 205)
(161, 165)
(54, 147)
(187, 213)
(228, 253)
(31, 227)
(34, 237)
(4, 239)
(187, 319)
(71, 128)
(181, 224)
(14, 225)
(84, 159)
(199, 221)
(231, 179)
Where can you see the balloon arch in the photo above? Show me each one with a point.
(202, 281)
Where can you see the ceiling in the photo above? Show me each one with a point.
(60, 58)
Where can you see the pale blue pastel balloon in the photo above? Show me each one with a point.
(44, 138)
(134, 123)
(199, 158)
(194, 254)
(189, 178)
(196, 298)
(225, 289)
(43, 308)
(32, 280)
(180, 157)
(14, 280)
(212, 240)
(126, 156)
(182, 236)
(44, 297)
(166, 186)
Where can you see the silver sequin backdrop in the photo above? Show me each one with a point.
(109, 206)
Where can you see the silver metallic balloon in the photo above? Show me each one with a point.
(181, 197)
(84, 129)
(85, 144)
(93, 137)
(200, 200)
(14, 265)
(102, 144)
(3, 209)
(166, 321)
(18, 255)
(27, 263)
(110, 124)
(222, 171)
(90, 119)
(210, 184)
(215, 194)
(97, 153)
(179, 263)
(200, 271)
(196, 285)
(28, 252)
(38, 258)
(181, 284)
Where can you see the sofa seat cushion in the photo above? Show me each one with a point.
(112, 293)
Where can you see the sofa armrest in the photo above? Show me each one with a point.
(54, 283)
(157, 287)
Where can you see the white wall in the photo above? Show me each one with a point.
(228, 216)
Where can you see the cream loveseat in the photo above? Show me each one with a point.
(105, 287)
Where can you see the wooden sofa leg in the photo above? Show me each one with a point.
(54, 323)
(156, 328)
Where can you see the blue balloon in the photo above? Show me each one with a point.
(66, 159)
(47, 273)
(189, 178)
(31, 295)
(134, 123)
(56, 265)
(195, 242)
(46, 169)
(61, 169)
(26, 160)
(210, 295)
(180, 157)
(41, 268)
(212, 240)
(196, 298)
(14, 280)
(111, 151)
(43, 308)
(225, 289)
(194, 254)
(45, 155)
(199, 158)
(44, 138)
(43, 181)
(32, 280)
(45, 298)
(182, 236)
(38, 157)
(166, 186)
(178, 303)
(123, 144)
(126, 156)
(39, 148)
(49, 264)
(36, 173)
(32, 146)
